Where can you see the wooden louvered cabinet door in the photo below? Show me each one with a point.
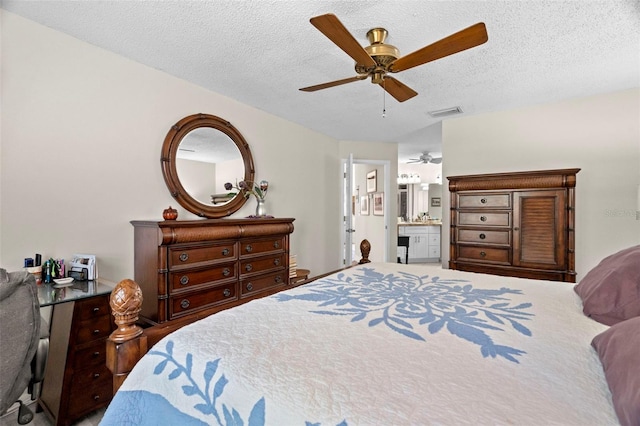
(539, 229)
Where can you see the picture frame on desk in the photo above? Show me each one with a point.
(378, 204)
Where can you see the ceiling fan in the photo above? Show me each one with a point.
(379, 59)
(426, 158)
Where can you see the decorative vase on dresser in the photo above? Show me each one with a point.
(207, 265)
(518, 224)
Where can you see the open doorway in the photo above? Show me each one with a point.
(367, 201)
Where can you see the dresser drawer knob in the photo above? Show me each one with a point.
(483, 236)
(483, 254)
(276, 244)
(226, 272)
(96, 310)
(248, 248)
(248, 267)
(483, 200)
(249, 287)
(226, 292)
(96, 397)
(278, 279)
(184, 304)
(226, 252)
(184, 280)
(483, 218)
(96, 375)
(96, 331)
(276, 262)
(95, 354)
(184, 257)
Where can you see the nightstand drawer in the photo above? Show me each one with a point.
(93, 307)
(89, 392)
(187, 256)
(94, 354)
(484, 254)
(188, 278)
(93, 329)
(484, 219)
(484, 236)
(484, 201)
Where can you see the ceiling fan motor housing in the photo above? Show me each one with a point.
(382, 54)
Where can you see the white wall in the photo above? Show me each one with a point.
(82, 130)
(598, 134)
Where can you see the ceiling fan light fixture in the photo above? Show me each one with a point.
(446, 112)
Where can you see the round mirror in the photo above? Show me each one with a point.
(200, 154)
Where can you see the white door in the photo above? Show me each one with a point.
(347, 218)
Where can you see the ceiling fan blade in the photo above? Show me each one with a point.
(397, 89)
(436, 160)
(333, 83)
(330, 26)
(470, 37)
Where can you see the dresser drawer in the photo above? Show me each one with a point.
(256, 247)
(92, 307)
(484, 254)
(181, 280)
(484, 236)
(484, 201)
(92, 329)
(484, 219)
(180, 256)
(183, 304)
(262, 264)
(262, 283)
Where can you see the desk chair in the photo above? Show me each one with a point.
(19, 336)
(403, 241)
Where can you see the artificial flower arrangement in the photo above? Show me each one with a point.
(259, 190)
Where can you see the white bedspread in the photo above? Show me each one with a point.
(380, 344)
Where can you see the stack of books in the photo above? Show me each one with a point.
(293, 265)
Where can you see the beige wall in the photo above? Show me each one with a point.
(598, 134)
(81, 134)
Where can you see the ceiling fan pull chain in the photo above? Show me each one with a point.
(384, 99)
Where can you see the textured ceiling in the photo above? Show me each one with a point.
(261, 52)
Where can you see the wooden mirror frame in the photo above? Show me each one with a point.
(169, 170)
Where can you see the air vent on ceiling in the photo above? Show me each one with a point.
(446, 112)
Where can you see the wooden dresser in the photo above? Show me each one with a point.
(204, 265)
(77, 380)
(515, 224)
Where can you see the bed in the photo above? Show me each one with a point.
(382, 344)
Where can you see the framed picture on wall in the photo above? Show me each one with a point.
(378, 204)
(435, 202)
(364, 205)
(371, 181)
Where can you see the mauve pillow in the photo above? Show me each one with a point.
(610, 292)
(619, 351)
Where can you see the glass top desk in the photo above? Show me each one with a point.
(53, 294)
